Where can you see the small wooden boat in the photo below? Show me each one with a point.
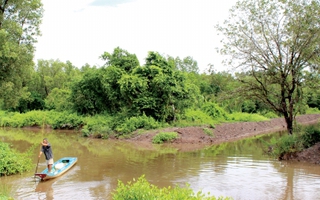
(58, 168)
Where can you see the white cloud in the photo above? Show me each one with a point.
(76, 31)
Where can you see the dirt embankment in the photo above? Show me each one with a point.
(191, 138)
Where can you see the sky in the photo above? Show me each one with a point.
(82, 30)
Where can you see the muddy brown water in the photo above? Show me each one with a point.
(239, 169)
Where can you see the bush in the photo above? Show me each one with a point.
(66, 120)
(270, 115)
(311, 135)
(134, 123)
(312, 111)
(16, 120)
(98, 126)
(287, 144)
(142, 189)
(303, 137)
(164, 137)
(214, 111)
(194, 118)
(12, 162)
(61, 120)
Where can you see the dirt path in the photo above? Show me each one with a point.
(192, 138)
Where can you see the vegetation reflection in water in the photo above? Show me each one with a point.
(102, 163)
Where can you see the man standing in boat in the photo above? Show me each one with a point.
(47, 150)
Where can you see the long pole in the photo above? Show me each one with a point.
(37, 164)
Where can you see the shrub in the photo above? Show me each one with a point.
(62, 120)
(270, 115)
(303, 137)
(142, 189)
(66, 120)
(194, 117)
(312, 111)
(134, 123)
(285, 144)
(12, 162)
(214, 111)
(98, 126)
(311, 135)
(164, 137)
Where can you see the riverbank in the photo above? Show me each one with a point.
(192, 138)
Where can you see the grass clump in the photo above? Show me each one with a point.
(208, 131)
(142, 189)
(164, 137)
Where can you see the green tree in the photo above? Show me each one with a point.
(110, 83)
(273, 42)
(59, 100)
(88, 94)
(19, 27)
(187, 64)
(158, 89)
(54, 74)
(121, 58)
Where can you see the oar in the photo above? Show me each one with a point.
(37, 164)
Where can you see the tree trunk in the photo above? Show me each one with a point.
(289, 122)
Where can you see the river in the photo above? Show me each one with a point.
(237, 169)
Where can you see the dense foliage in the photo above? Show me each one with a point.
(12, 162)
(142, 189)
(19, 27)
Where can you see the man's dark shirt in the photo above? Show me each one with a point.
(47, 151)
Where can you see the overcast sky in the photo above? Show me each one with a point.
(82, 30)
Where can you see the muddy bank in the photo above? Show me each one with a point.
(192, 138)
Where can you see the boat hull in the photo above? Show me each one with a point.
(58, 168)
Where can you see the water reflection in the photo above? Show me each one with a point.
(238, 169)
(46, 188)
